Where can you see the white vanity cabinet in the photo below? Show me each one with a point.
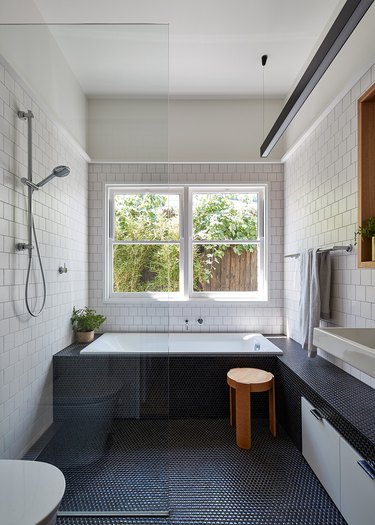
(357, 487)
(348, 479)
(321, 449)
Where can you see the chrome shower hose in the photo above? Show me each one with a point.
(35, 314)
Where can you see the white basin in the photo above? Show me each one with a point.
(355, 346)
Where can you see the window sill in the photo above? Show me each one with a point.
(254, 300)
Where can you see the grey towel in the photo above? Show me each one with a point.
(315, 273)
(324, 261)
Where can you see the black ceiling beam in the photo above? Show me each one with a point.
(345, 23)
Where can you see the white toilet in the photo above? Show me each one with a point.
(30, 492)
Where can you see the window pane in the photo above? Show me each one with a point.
(146, 268)
(225, 268)
(225, 216)
(147, 217)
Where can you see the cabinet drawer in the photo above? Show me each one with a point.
(357, 488)
(321, 449)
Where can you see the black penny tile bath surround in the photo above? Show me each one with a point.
(210, 480)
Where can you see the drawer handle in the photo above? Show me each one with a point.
(315, 412)
(369, 469)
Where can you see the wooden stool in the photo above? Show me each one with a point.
(243, 381)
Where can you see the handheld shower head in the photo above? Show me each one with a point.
(59, 171)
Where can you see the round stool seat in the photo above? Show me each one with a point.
(242, 383)
(249, 376)
(31, 492)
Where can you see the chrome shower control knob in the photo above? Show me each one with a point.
(63, 269)
(23, 246)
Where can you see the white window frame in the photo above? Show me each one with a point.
(111, 191)
(261, 293)
(186, 243)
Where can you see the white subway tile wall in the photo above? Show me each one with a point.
(321, 209)
(217, 316)
(60, 211)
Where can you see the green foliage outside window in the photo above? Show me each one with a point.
(225, 216)
(154, 217)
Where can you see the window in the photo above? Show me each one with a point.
(145, 242)
(185, 242)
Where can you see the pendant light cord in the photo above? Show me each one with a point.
(264, 62)
(263, 103)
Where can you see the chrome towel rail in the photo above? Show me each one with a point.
(347, 248)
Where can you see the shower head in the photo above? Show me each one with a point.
(59, 171)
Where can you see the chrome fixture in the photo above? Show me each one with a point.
(347, 20)
(63, 269)
(24, 115)
(59, 171)
(347, 248)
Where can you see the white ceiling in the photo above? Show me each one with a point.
(214, 45)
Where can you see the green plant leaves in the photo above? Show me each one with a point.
(86, 319)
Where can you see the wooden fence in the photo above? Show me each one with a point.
(234, 273)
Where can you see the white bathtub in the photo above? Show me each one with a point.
(183, 343)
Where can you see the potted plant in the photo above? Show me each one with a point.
(368, 232)
(84, 322)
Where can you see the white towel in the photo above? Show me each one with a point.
(309, 303)
(315, 294)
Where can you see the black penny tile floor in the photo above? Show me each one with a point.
(194, 469)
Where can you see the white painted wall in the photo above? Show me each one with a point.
(20, 12)
(60, 210)
(220, 130)
(128, 130)
(34, 54)
(184, 131)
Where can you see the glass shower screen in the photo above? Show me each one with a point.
(98, 95)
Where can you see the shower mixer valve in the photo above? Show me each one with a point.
(21, 246)
(25, 114)
(63, 269)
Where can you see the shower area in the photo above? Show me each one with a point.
(79, 98)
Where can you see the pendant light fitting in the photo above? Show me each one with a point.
(264, 62)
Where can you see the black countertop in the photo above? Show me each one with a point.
(349, 397)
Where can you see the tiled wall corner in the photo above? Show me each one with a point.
(218, 316)
(321, 209)
(60, 211)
